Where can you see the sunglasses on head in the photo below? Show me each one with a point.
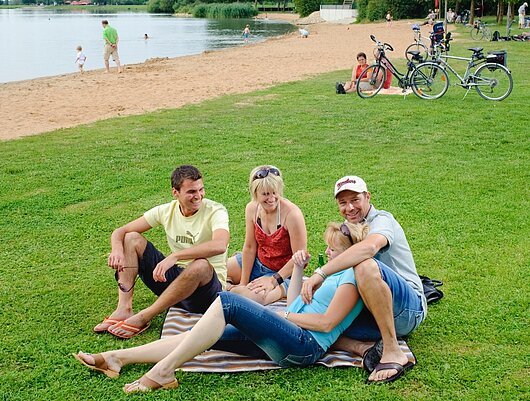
(265, 172)
(346, 231)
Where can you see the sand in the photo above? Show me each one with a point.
(45, 104)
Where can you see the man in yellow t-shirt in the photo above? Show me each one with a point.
(191, 276)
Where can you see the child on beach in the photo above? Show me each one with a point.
(246, 33)
(81, 58)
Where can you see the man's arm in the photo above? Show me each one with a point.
(116, 257)
(351, 257)
(216, 246)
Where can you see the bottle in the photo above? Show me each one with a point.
(321, 260)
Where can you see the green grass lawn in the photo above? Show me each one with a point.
(455, 173)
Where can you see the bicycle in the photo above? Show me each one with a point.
(481, 31)
(492, 79)
(426, 79)
(418, 45)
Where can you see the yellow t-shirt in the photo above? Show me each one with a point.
(184, 232)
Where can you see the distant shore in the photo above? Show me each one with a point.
(46, 104)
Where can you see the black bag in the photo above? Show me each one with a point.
(430, 289)
(496, 36)
(339, 88)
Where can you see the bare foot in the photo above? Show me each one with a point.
(134, 320)
(145, 384)
(104, 363)
(396, 356)
(112, 320)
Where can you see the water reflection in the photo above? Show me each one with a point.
(38, 42)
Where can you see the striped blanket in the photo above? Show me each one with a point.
(213, 361)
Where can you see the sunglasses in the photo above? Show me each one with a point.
(120, 285)
(265, 172)
(346, 231)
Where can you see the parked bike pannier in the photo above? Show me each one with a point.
(496, 36)
(498, 57)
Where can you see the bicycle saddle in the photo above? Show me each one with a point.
(476, 49)
(413, 52)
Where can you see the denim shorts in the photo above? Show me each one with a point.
(406, 303)
(198, 302)
(260, 270)
(257, 331)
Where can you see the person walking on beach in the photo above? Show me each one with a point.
(246, 33)
(522, 13)
(110, 36)
(388, 18)
(81, 58)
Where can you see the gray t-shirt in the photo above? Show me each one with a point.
(396, 254)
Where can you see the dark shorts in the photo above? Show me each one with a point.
(197, 302)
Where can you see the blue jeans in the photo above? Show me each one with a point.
(406, 304)
(258, 331)
(260, 270)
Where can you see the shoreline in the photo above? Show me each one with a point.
(45, 104)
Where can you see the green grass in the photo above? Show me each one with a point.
(454, 172)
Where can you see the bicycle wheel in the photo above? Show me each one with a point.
(429, 81)
(476, 33)
(493, 81)
(419, 47)
(374, 76)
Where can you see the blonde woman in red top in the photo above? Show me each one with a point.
(274, 227)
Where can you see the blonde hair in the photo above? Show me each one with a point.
(270, 183)
(335, 238)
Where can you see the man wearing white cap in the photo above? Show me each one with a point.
(522, 13)
(386, 279)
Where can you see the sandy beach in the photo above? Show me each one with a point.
(45, 104)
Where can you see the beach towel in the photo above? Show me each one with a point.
(213, 361)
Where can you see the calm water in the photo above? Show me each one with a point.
(37, 43)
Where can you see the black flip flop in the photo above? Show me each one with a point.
(372, 356)
(401, 369)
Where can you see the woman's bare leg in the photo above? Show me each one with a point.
(202, 336)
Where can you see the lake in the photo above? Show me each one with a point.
(39, 42)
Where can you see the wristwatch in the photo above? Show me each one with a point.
(321, 273)
(278, 278)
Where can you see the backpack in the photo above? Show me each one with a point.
(430, 289)
(496, 36)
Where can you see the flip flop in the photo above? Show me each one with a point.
(130, 329)
(372, 356)
(100, 365)
(401, 369)
(108, 322)
(150, 385)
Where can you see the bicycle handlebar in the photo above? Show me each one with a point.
(384, 46)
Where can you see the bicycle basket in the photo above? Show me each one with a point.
(498, 57)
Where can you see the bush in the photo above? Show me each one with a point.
(373, 10)
(376, 9)
(160, 6)
(306, 7)
(218, 10)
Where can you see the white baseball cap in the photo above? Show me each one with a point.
(350, 183)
